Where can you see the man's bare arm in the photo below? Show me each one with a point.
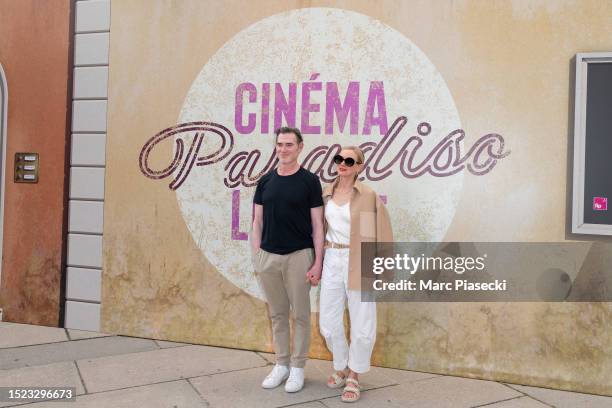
(257, 228)
(314, 273)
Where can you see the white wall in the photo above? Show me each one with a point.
(87, 165)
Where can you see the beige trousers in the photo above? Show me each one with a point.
(283, 281)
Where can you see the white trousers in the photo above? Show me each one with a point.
(334, 294)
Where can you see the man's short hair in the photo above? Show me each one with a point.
(286, 129)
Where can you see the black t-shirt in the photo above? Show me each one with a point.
(287, 200)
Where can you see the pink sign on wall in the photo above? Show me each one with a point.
(600, 203)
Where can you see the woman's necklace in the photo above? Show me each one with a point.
(346, 189)
(342, 193)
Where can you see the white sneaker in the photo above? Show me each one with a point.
(295, 381)
(278, 374)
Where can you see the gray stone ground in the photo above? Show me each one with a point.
(115, 371)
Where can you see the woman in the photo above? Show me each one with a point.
(353, 214)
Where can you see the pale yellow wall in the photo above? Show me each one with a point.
(507, 65)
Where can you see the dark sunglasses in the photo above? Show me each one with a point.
(348, 162)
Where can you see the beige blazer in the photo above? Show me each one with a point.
(369, 223)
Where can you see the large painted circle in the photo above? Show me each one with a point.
(341, 46)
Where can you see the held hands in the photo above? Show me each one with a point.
(314, 274)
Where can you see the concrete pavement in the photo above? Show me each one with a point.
(115, 371)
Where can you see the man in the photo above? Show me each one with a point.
(287, 243)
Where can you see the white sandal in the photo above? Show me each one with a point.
(352, 386)
(338, 381)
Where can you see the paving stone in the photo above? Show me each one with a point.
(72, 350)
(314, 404)
(439, 392)
(176, 394)
(243, 388)
(108, 373)
(565, 399)
(269, 357)
(521, 402)
(169, 344)
(16, 334)
(51, 375)
(75, 334)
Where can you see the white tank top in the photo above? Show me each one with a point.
(338, 222)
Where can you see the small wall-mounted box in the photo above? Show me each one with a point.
(26, 167)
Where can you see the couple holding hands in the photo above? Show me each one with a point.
(302, 235)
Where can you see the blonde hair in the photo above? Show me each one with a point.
(358, 152)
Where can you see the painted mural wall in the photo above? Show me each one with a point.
(36, 63)
(463, 109)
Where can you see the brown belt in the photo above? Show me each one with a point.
(334, 245)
